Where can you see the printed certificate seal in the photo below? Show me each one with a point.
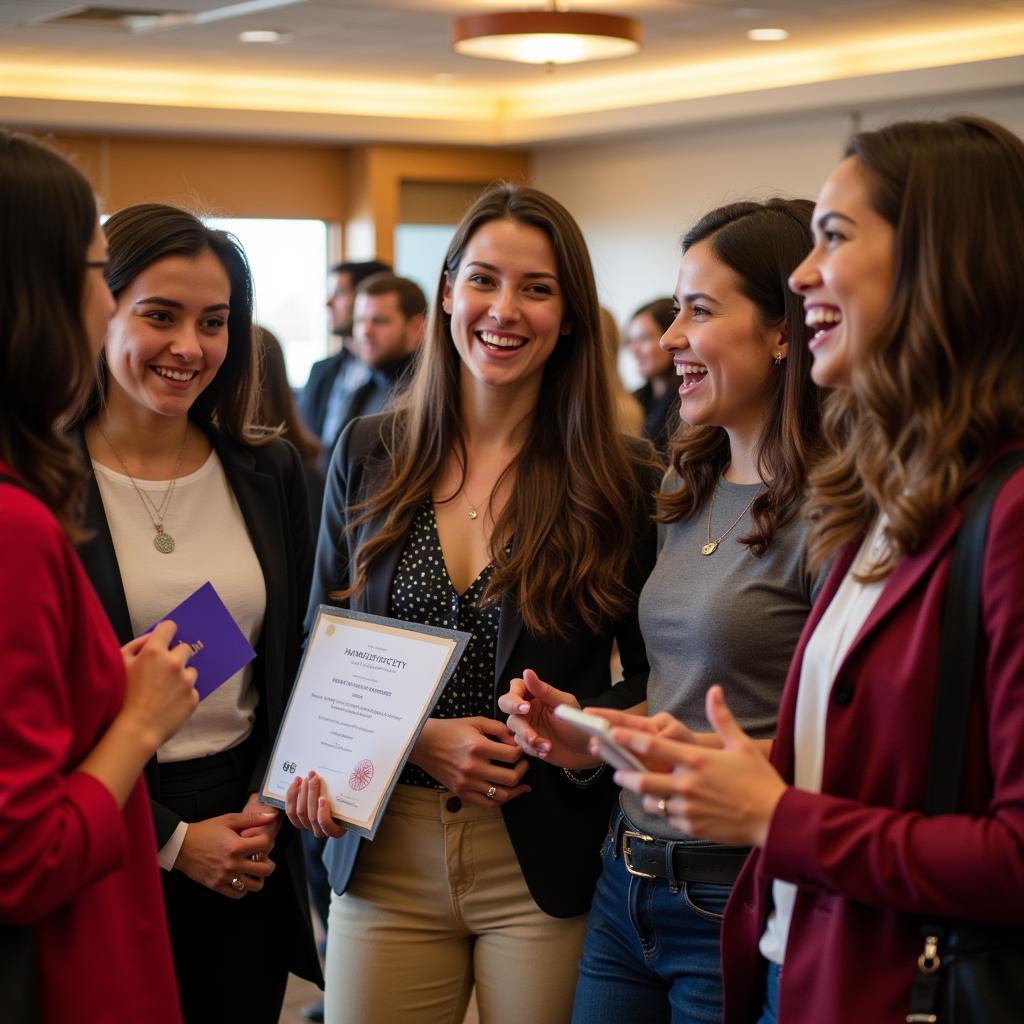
(361, 775)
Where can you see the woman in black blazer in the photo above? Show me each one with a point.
(497, 498)
(175, 501)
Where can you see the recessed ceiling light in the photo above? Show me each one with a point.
(767, 35)
(263, 35)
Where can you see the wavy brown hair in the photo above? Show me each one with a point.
(762, 243)
(47, 222)
(276, 409)
(577, 501)
(940, 386)
(139, 236)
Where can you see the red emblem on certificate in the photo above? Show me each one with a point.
(361, 775)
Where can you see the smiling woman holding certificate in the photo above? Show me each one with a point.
(498, 499)
(176, 502)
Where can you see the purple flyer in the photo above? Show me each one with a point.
(219, 648)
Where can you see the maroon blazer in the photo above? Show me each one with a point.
(866, 861)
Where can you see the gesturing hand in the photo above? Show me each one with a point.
(459, 752)
(727, 795)
(530, 705)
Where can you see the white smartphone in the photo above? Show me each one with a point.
(617, 756)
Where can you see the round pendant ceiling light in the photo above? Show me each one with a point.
(547, 37)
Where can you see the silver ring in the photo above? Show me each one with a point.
(238, 885)
(256, 856)
(663, 807)
(491, 792)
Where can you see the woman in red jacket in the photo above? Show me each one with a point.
(79, 891)
(913, 286)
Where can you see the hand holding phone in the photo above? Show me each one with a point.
(615, 754)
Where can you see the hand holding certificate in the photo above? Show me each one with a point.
(366, 686)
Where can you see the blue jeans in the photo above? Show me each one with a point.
(652, 951)
(770, 1010)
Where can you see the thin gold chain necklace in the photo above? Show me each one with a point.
(712, 545)
(163, 541)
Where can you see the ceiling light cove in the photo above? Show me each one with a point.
(547, 37)
(767, 35)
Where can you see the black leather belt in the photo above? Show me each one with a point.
(676, 862)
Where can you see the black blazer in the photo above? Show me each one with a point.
(556, 829)
(269, 485)
(312, 402)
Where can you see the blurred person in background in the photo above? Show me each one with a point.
(659, 395)
(333, 379)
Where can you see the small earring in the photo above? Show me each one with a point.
(778, 359)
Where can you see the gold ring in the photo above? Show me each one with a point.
(491, 792)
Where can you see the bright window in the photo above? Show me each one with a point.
(289, 268)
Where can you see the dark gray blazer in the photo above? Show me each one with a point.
(557, 829)
(269, 486)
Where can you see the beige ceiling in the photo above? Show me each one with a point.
(385, 68)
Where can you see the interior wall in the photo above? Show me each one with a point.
(635, 196)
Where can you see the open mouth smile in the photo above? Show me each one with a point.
(822, 320)
(501, 342)
(692, 374)
(175, 376)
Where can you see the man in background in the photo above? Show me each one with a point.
(332, 380)
(388, 322)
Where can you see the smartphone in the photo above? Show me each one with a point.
(617, 756)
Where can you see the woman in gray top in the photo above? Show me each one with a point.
(724, 604)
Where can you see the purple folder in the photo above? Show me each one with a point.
(219, 647)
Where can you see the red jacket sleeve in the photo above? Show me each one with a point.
(61, 680)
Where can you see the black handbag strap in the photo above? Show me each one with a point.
(959, 645)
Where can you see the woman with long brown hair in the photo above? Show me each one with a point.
(500, 498)
(185, 490)
(80, 907)
(913, 290)
(730, 558)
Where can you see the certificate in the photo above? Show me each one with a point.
(366, 686)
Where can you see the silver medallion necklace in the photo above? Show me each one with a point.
(163, 541)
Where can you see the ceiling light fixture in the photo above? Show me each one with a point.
(547, 37)
(767, 35)
(263, 35)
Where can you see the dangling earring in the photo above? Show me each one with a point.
(778, 359)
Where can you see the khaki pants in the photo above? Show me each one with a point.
(437, 903)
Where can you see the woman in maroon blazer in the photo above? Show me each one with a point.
(914, 286)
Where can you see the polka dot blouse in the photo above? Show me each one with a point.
(422, 592)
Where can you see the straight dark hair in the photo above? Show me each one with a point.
(578, 499)
(940, 387)
(47, 223)
(276, 409)
(762, 243)
(138, 237)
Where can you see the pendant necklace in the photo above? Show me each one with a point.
(712, 545)
(163, 541)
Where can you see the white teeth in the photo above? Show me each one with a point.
(501, 340)
(686, 369)
(822, 315)
(179, 375)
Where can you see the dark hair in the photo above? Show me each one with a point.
(939, 387)
(661, 311)
(762, 243)
(572, 513)
(138, 237)
(359, 272)
(411, 300)
(276, 408)
(47, 223)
